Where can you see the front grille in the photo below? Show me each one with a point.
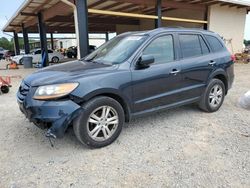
(23, 91)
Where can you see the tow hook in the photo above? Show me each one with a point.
(51, 136)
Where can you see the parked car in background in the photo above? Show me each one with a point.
(22, 52)
(133, 74)
(2, 51)
(54, 57)
(72, 51)
(8, 54)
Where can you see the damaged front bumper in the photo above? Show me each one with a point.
(58, 114)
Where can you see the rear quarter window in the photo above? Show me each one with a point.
(214, 43)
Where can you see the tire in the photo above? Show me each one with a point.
(211, 102)
(21, 61)
(84, 128)
(55, 59)
(5, 89)
(70, 55)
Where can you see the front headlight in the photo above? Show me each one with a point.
(54, 91)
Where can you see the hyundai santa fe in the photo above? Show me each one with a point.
(133, 74)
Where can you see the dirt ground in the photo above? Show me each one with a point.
(184, 147)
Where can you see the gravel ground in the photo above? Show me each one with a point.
(183, 147)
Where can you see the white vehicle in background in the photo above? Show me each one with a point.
(54, 57)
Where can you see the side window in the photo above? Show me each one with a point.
(204, 47)
(214, 43)
(38, 52)
(162, 49)
(190, 45)
(50, 51)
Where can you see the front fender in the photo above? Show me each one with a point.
(113, 93)
(102, 91)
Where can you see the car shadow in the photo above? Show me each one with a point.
(69, 141)
(138, 122)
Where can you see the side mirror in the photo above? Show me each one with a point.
(145, 61)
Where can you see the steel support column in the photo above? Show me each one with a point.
(158, 22)
(43, 38)
(25, 40)
(82, 27)
(107, 36)
(16, 43)
(206, 18)
(52, 41)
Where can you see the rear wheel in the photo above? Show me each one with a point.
(55, 60)
(100, 123)
(213, 97)
(69, 55)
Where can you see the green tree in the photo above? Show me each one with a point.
(247, 42)
(20, 41)
(9, 45)
(6, 44)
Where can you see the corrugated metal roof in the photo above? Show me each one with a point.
(239, 2)
(130, 6)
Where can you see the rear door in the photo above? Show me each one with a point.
(158, 85)
(197, 64)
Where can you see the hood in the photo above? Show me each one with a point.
(67, 72)
(17, 56)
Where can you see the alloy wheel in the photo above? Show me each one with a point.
(215, 96)
(55, 59)
(102, 123)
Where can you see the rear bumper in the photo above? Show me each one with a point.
(230, 74)
(57, 113)
(230, 82)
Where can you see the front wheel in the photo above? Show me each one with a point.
(5, 89)
(213, 96)
(21, 61)
(100, 122)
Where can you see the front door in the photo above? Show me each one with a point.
(157, 86)
(37, 56)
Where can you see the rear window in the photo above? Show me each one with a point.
(190, 45)
(214, 43)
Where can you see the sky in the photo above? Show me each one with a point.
(9, 7)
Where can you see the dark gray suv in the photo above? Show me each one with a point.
(131, 75)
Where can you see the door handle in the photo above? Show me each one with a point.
(175, 71)
(212, 63)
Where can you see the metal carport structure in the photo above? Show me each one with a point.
(99, 16)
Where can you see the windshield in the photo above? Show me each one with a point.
(116, 50)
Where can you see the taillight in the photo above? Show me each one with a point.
(233, 58)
